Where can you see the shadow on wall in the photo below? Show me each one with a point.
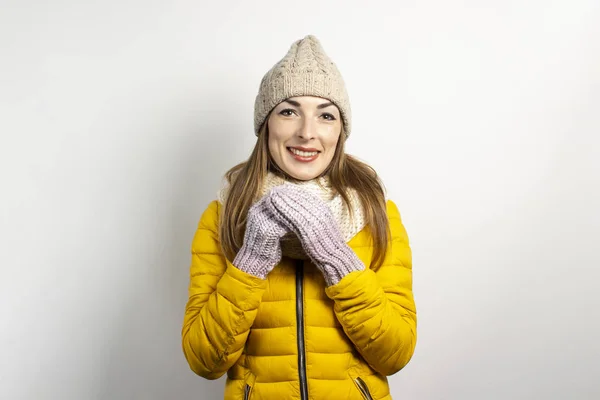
(146, 360)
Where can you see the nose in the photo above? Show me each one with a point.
(306, 130)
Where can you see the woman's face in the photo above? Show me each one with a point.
(303, 135)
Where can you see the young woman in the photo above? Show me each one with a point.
(301, 280)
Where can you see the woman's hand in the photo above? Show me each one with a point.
(311, 219)
(261, 250)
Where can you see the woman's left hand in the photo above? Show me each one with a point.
(311, 219)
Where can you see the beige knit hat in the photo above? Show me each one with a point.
(305, 71)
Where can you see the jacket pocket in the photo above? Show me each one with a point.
(363, 388)
(247, 390)
(248, 386)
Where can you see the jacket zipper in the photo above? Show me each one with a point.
(300, 329)
(364, 389)
(247, 392)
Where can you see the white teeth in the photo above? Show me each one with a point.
(303, 153)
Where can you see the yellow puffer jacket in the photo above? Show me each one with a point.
(290, 337)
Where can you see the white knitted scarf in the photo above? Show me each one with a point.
(349, 227)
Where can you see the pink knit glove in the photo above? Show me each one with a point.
(261, 250)
(311, 219)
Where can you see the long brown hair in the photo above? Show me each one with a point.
(345, 171)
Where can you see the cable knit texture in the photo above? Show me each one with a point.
(304, 71)
(308, 217)
(320, 187)
(261, 249)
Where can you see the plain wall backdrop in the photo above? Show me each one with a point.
(119, 118)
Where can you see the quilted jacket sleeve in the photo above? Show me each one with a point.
(376, 308)
(222, 305)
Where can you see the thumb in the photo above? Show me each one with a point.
(276, 206)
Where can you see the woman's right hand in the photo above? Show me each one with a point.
(261, 250)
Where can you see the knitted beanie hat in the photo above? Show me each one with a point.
(305, 71)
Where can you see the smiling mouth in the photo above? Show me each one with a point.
(304, 156)
(302, 153)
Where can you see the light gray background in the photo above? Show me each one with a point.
(118, 119)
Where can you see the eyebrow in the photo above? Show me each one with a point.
(296, 104)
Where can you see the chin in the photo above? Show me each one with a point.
(302, 175)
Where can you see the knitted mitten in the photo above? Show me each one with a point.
(261, 250)
(310, 218)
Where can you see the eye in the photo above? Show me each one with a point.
(286, 112)
(329, 117)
